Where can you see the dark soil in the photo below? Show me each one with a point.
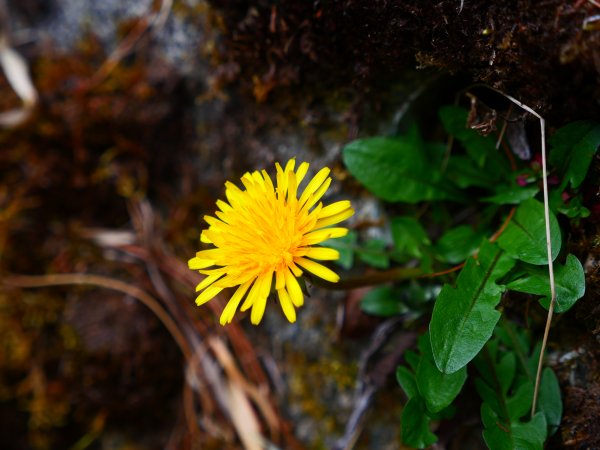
(539, 52)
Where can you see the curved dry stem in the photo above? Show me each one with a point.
(548, 239)
(38, 281)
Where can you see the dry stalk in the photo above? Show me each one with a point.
(548, 240)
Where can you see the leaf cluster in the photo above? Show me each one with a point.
(501, 244)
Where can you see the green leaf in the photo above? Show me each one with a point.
(346, 246)
(573, 147)
(530, 435)
(525, 236)
(437, 388)
(415, 424)
(519, 403)
(572, 208)
(499, 435)
(397, 170)
(464, 317)
(406, 380)
(512, 194)
(412, 359)
(458, 244)
(382, 301)
(454, 119)
(373, 252)
(463, 172)
(506, 370)
(519, 342)
(549, 401)
(569, 282)
(409, 236)
(496, 379)
(490, 397)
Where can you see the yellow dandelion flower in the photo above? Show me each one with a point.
(267, 235)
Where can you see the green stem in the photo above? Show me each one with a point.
(370, 279)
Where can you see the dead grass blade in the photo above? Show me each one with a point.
(548, 239)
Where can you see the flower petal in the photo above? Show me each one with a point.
(234, 301)
(301, 172)
(197, 263)
(316, 196)
(279, 279)
(335, 208)
(314, 184)
(293, 288)
(336, 218)
(323, 253)
(286, 305)
(252, 295)
(318, 236)
(318, 269)
(208, 281)
(258, 308)
(208, 294)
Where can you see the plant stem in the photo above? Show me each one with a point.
(370, 279)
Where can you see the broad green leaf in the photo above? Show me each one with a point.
(397, 170)
(346, 246)
(519, 403)
(530, 435)
(512, 194)
(464, 316)
(507, 393)
(508, 407)
(415, 424)
(525, 236)
(373, 252)
(500, 435)
(569, 282)
(549, 401)
(458, 244)
(409, 236)
(454, 119)
(382, 301)
(437, 388)
(573, 147)
(406, 380)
